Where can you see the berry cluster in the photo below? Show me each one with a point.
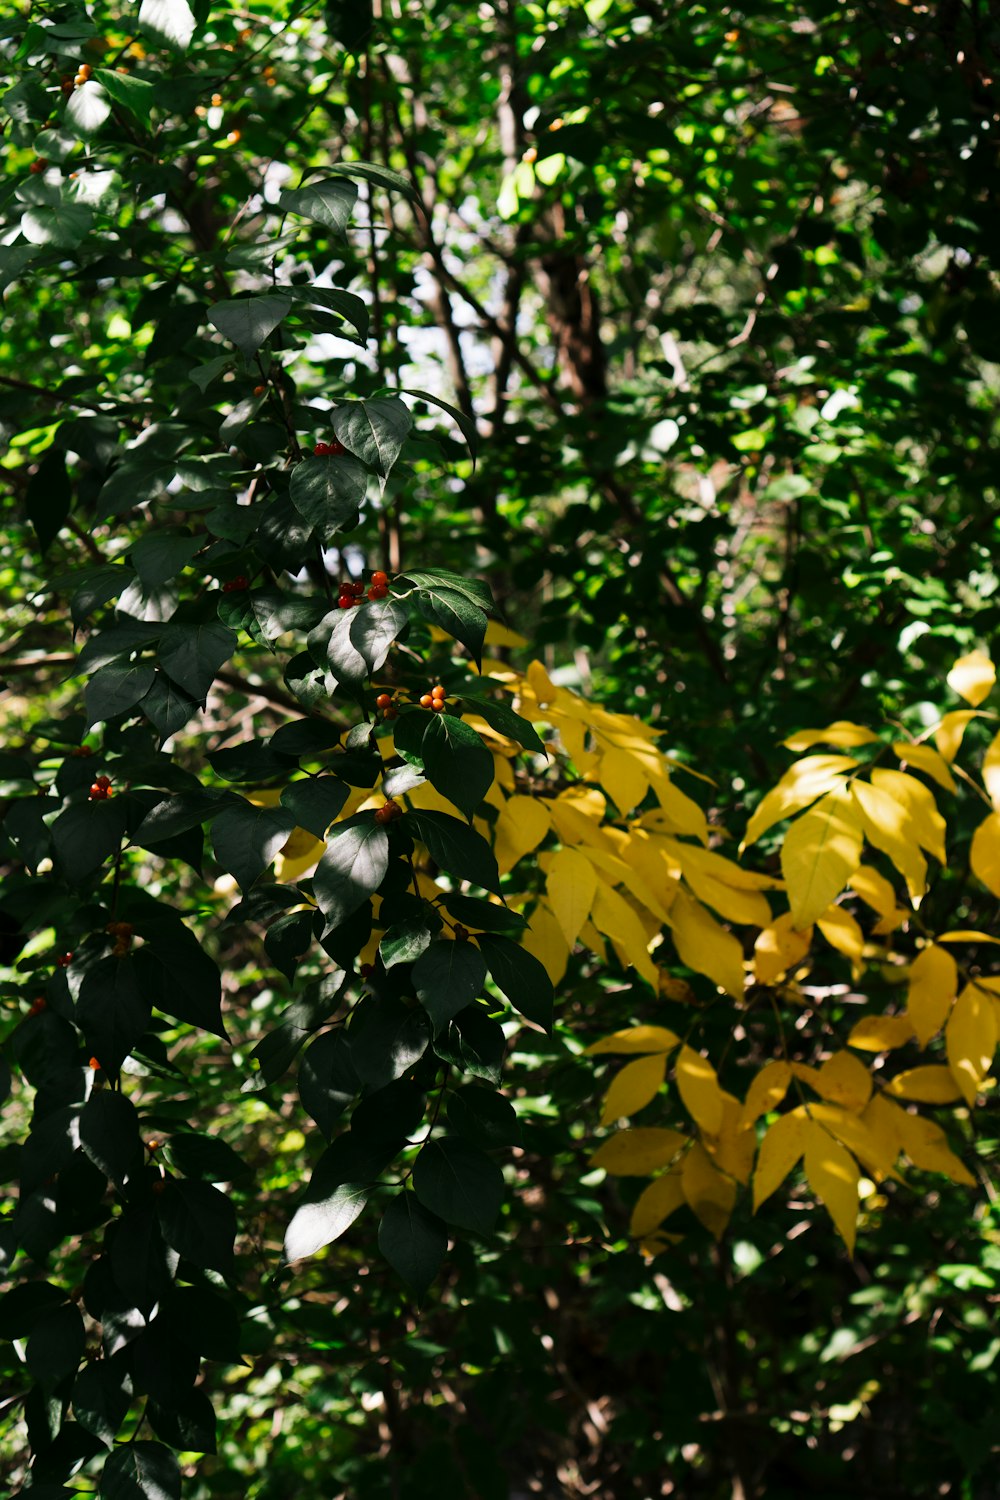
(37, 1006)
(38, 165)
(101, 789)
(82, 74)
(434, 700)
(386, 706)
(64, 960)
(352, 590)
(122, 934)
(332, 449)
(237, 584)
(388, 812)
(82, 752)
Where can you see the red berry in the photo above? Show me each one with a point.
(357, 587)
(38, 165)
(366, 970)
(260, 390)
(334, 447)
(375, 593)
(64, 960)
(37, 1006)
(380, 579)
(390, 713)
(104, 781)
(346, 601)
(321, 450)
(98, 793)
(383, 700)
(236, 585)
(83, 752)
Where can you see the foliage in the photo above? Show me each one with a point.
(694, 386)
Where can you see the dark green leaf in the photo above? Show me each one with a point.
(141, 1471)
(191, 655)
(465, 423)
(453, 756)
(109, 1134)
(328, 1081)
(327, 202)
(373, 430)
(413, 1241)
(447, 978)
(386, 1040)
(48, 497)
(112, 1011)
(484, 1117)
(372, 172)
(519, 977)
(373, 628)
(346, 304)
(160, 555)
(22, 1306)
(187, 1424)
(405, 941)
(102, 1394)
(199, 1223)
(55, 1345)
(459, 1183)
(454, 614)
(339, 1189)
(248, 322)
(182, 979)
(473, 1043)
(456, 848)
(506, 722)
(205, 1156)
(288, 940)
(142, 1265)
(167, 707)
(86, 835)
(116, 688)
(352, 868)
(315, 803)
(394, 1113)
(176, 815)
(329, 492)
(432, 579)
(133, 94)
(487, 916)
(246, 839)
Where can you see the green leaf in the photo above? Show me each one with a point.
(102, 1394)
(160, 555)
(98, 585)
(454, 846)
(133, 94)
(288, 940)
(346, 304)
(447, 978)
(181, 978)
(486, 1118)
(473, 1043)
(519, 977)
(199, 1223)
(85, 836)
(453, 756)
(109, 1134)
(62, 225)
(187, 1424)
(192, 655)
(328, 1082)
(352, 869)
(338, 1191)
(373, 430)
(466, 424)
(112, 1011)
(473, 589)
(372, 629)
(48, 497)
(86, 110)
(167, 707)
(55, 1345)
(141, 1471)
(346, 661)
(459, 1183)
(248, 322)
(176, 815)
(506, 722)
(326, 202)
(141, 1262)
(386, 1040)
(454, 613)
(115, 689)
(329, 492)
(487, 916)
(413, 1241)
(205, 1156)
(406, 941)
(246, 839)
(381, 176)
(315, 803)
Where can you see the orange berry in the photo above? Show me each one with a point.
(383, 700)
(216, 101)
(437, 706)
(391, 713)
(437, 693)
(233, 137)
(95, 1065)
(376, 592)
(153, 1145)
(426, 700)
(260, 390)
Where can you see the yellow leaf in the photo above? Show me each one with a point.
(639, 1039)
(800, 785)
(657, 1202)
(842, 733)
(749, 908)
(927, 760)
(949, 733)
(681, 812)
(881, 1033)
(676, 989)
(544, 940)
(833, 1175)
(634, 1087)
(704, 946)
(882, 1118)
(780, 1149)
(520, 828)
(688, 856)
(972, 677)
(298, 855)
(918, 800)
(541, 684)
(970, 1040)
(633, 1153)
(821, 851)
(779, 948)
(933, 987)
(984, 856)
(623, 778)
(877, 892)
(888, 825)
(991, 770)
(842, 932)
(875, 1150)
(929, 1085)
(927, 1147)
(845, 1080)
(766, 1091)
(710, 1195)
(736, 1143)
(614, 917)
(699, 1089)
(966, 935)
(571, 886)
(500, 635)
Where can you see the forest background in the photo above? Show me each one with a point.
(665, 336)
